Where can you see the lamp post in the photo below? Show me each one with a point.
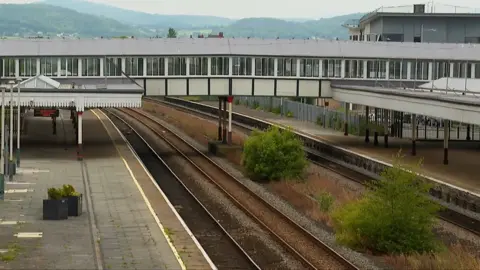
(18, 123)
(11, 165)
(2, 155)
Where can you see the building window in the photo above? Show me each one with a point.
(177, 66)
(441, 69)
(199, 66)
(264, 66)
(242, 66)
(419, 71)
(309, 67)
(287, 67)
(332, 68)
(219, 66)
(134, 66)
(353, 68)
(91, 67)
(397, 70)
(472, 39)
(49, 66)
(155, 66)
(28, 67)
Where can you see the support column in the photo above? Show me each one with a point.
(446, 138)
(224, 120)
(367, 120)
(392, 123)
(347, 107)
(414, 134)
(468, 133)
(230, 99)
(11, 164)
(18, 126)
(80, 135)
(385, 127)
(54, 125)
(375, 131)
(2, 154)
(220, 114)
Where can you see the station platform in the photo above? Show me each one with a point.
(464, 156)
(125, 218)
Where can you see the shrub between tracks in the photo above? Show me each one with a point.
(274, 155)
(395, 215)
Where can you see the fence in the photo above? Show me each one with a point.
(335, 119)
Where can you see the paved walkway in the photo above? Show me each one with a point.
(464, 157)
(116, 230)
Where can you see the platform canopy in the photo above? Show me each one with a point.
(467, 85)
(42, 91)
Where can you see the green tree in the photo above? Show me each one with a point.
(395, 215)
(274, 155)
(171, 33)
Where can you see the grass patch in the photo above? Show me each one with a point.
(13, 251)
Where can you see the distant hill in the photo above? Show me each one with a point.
(141, 18)
(273, 28)
(29, 19)
(190, 24)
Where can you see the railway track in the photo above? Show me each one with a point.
(463, 221)
(209, 232)
(308, 249)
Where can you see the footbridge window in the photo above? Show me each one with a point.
(441, 69)
(309, 67)
(332, 68)
(353, 68)
(49, 66)
(91, 67)
(397, 69)
(377, 69)
(28, 67)
(242, 66)
(112, 66)
(419, 71)
(287, 67)
(460, 69)
(177, 66)
(68, 67)
(219, 66)
(155, 66)
(134, 66)
(9, 67)
(264, 66)
(199, 66)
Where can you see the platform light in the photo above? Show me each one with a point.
(2, 154)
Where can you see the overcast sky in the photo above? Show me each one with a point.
(263, 8)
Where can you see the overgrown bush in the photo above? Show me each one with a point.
(55, 193)
(274, 155)
(325, 201)
(395, 215)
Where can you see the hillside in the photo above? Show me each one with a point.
(190, 24)
(140, 18)
(28, 19)
(273, 28)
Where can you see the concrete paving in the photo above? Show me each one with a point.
(464, 157)
(116, 229)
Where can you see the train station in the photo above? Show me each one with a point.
(70, 109)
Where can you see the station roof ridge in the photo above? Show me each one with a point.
(238, 47)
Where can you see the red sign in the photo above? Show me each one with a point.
(47, 113)
(230, 99)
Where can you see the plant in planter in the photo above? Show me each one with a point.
(55, 207)
(74, 200)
